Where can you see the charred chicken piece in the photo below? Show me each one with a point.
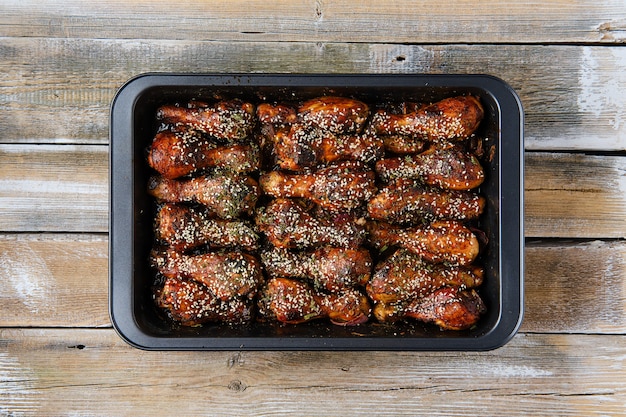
(190, 303)
(302, 146)
(448, 168)
(454, 118)
(225, 274)
(183, 228)
(327, 268)
(405, 276)
(407, 201)
(226, 196)
(334, 114)
(174, 154)
(291, 301)
(441, 241)
(287, 224)
(342, 186)
(229, 120)
(451, 308)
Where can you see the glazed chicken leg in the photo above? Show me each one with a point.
(300, 146)
(448, 168)
(286, 224)
(334, 114)
(229, 120)
(228, 197)
(451, 308)
(190, 303)
(405, 276)
(441, 241)
(327, 268)
(182, 228)
(174, 155)
(407, 201)
(453, 118)
(225, 274)
(342, 186)
(291, 301)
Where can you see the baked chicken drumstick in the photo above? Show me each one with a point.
(174, 154)
(405, 276)
(229, 120)
(286, 224)
(300, 146)
(441, 241)
(334, 114)
(407, 201)
(341, 186)
(190, 303)
(183, 228)
(453, 118)
(291, 301)
(328, 268)
(448, 168)
(225, 274)
(451, 308)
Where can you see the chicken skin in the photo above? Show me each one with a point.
(276, 114)
(408, 202)
(454, 118)
(334, 114)
(229, 120)
(183, 228)
(301, 146)
(226, 196)
(338, 187)
(293, 302)
(441, 241)
(326, 268)
(405, 276)
(286, 224)
(174, 154)
(451, 308)
(403, 144)
(190, 303)
(225, 274)
(448, 168)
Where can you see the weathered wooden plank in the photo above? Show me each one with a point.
(54, 280)
(318, 21)
(92, 372)
(54, 188)
(59, 90)
(575, 195)
(64, 188)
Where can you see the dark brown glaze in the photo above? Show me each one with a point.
(403, 144)
(453, 118)
(226, 196)
(448, 168)
(225, 274)
(327, 268)
(405, 276)
(342, 186)
(182, 228)
(409, 202)
(334, 114)
(276, 114)
(229, 120)
(286, 224)
(441, 241)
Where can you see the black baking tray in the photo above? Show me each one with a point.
(133, 126)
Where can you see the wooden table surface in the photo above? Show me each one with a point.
(61, 62)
